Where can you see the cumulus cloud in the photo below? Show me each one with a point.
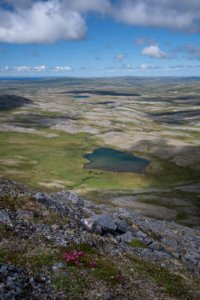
(46, 22)
(61, 68)
(35, 69)
(183, 67)
(179, 14)
(170, 68)
(154, 51)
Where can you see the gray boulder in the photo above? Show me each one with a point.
(155, 246)
(122, 226)
(127, 237)
(25, 214)
(141, 234)
(100, 223)
(169, 242)
(74, 198)
(192, 257)
(43, 199)
(4, 218)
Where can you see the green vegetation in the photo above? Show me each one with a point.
(95, 269)
(84, 247)
(6, 232)
(173, 284)
(107, 271)
(29, 254)
(164, 172)
(137, 243)
(50, 137)
(74, 282)
(54, 163)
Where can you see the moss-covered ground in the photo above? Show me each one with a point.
(59, 162)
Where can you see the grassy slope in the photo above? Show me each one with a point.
(35, 159)
(122, 275)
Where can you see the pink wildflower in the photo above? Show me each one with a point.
(73, 256)
(93, 264)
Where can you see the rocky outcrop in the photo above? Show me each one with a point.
(113, 230)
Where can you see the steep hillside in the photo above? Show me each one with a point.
(59, 246)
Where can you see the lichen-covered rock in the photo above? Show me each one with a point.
(122, 226)
(63, 222)
(4, 218)
(75, 199)
(103, 221)
(127, 237)
(25, 215)
(155, 246)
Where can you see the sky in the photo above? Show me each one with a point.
(91, 38)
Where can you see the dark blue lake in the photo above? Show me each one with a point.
(81, 97)
(108, 159)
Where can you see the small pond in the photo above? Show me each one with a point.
(81, 97)
(108, 159)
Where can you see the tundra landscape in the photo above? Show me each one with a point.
(93, 171)
(49, 126)
(99, 150)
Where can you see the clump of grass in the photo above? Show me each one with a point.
(84, 270)
(137, 243)
(29, 254)
(20, 201)
(72, 281)
(107, 271)
(173, 284)
(102, 267)
(181, 216)
(6, 232)
(84, 247)
(53, 217)
(154, 235)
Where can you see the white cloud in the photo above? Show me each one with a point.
(39, 21)
(44, 22)
(47, 22)
(40, 68)
(101, 6)
(61, 68)
(154, 51)
(22, 69)
(168, 69)
(35, 69)
(179, 14)
(183, 67)
(119, 57)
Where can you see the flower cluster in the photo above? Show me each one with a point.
(93, 264)
(73, 256)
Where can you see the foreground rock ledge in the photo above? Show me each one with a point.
(43, 222)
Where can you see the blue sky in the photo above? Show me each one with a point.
(99, 38)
